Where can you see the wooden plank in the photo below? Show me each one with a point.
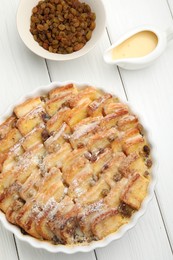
(150, 90)
(27, 252)
(134, 245)
(7, 246)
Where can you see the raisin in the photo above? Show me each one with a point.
(93, 158)
(146, 174)
(149, 163)
(78, 46)
(45, 117)
(80, 145)
(106, 166)
(40, 27)
(117, 177)
(34, 10)
(43, 98)
(125, 209)
(66, 104)
(45, 135)
(146, 149)
(23, 231)
(56, 240)
(105, 192)
(101, 150)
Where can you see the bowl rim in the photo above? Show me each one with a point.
(70, 249)
(41, 52)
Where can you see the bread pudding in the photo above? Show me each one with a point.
(74, 165)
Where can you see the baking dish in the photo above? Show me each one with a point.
(95, 244)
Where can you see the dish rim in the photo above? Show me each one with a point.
(70, 249)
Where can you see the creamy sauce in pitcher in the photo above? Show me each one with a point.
(138, 45)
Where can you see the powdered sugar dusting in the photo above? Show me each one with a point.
(39, 210)
(96, 103)
(27, 159)
(53, 138)
(84, 129)
(17, 146)
(79, 191)
(33, 113)
(95, 206)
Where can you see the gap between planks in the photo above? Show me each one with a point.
(17, 251)
(169, 8)
(125, 92)
(48, 71)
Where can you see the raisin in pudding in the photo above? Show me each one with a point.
(75, 165)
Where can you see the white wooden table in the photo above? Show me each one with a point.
(151, 92)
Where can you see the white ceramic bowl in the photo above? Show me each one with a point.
(95, 244)
(23, 26)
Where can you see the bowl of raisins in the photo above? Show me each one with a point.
(61, 29)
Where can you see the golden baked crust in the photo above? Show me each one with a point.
(74, 165)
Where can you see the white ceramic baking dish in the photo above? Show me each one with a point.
(112, 237)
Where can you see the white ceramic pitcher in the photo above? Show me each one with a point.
(163, 38)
